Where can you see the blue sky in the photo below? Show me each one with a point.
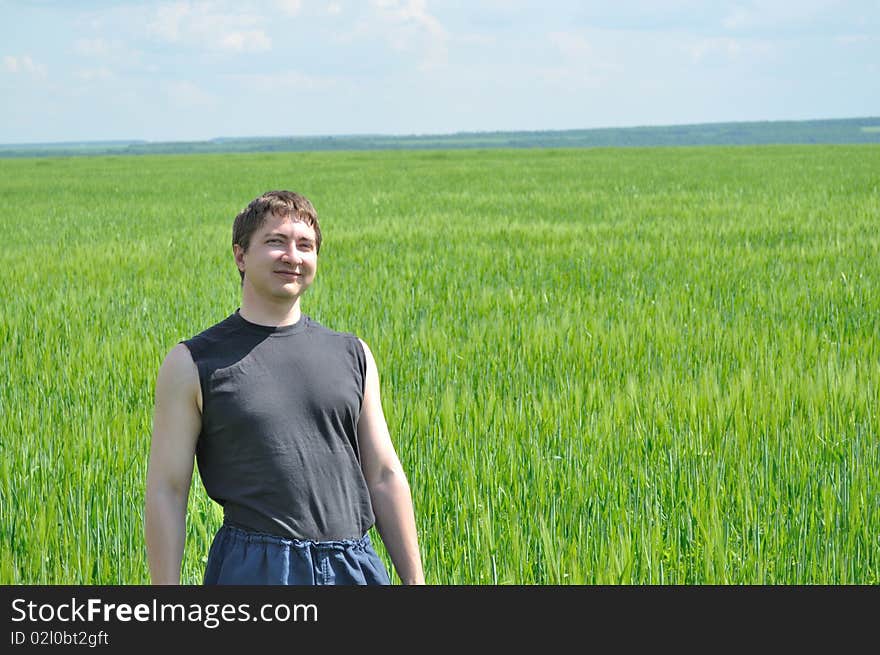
(192, 69)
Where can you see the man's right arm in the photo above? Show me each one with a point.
(177, 422)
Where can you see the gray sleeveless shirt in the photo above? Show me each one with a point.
(278, 447)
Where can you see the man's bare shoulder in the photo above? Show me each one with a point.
(178, 370)
(179, 358)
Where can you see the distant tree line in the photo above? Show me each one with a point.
(832, 131)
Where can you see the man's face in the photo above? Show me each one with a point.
(281, 260)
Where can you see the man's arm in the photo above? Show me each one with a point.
(177, 422)
(389, 488)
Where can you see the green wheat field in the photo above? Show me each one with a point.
(599, 366)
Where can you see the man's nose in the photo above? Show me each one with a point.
(292, 253)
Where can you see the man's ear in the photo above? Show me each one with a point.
(238, 253)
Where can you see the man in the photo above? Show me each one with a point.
(285, 419)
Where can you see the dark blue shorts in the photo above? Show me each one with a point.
(241, 557)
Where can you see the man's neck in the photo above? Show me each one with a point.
(275, 315)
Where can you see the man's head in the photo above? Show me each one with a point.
(281, 204)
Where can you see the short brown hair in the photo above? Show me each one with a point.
(278, 203)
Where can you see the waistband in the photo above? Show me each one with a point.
(239, 532)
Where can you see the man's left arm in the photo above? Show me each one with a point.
(389, 488)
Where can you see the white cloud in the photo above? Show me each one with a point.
(94, 74)
(23, 65)
(97, 47)
(584, 63)
(167, 24)
(729, 48)
(188, 94)
(780, 14)
(285, 81)
(738, 18)
(477, 40)
(853, 39)
(408, 27)
(206, 25)
(334, 9)
(289, 7)
(699, 49)
(253, 41)
(572, 44)
(410, 14)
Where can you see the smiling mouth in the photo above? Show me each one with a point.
(289, 273)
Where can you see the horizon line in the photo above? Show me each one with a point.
(214, 139)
